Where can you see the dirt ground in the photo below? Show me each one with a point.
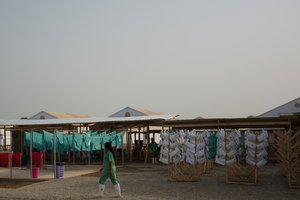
(17, 183)
(146, 181)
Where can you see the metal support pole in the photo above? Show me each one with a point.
(30, 154)
(54, 153)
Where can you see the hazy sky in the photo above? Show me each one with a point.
(193, 58)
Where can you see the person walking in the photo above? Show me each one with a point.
(108, 171)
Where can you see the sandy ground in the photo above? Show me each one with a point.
(140, 181)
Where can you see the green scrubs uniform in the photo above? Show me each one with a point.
(153, 149)
(108, 158)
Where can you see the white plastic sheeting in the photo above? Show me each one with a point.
(256, 147)
(228, 140)
(180, 145)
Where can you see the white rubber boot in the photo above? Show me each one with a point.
(101, 190)
(118, 189)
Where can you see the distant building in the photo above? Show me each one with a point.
(199, 117)
(17, 138)
(55, 115)
(289, 108)
(130, 112)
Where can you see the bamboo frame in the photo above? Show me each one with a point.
(184, 172)
(288, 155)
(241, 173)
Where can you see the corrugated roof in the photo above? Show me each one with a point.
(27, 122)
(288, 108)
(149, 112)
(66, 115)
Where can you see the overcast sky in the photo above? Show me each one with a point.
(193, 58)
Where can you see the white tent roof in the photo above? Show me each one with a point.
(27, 122)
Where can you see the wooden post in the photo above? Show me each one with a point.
(148, 136)
(11, 154)
(4, 139)
(227, 167)
(124, 133)
(169, 162)
(256, 168)
(44, 151)
(30, 154)
(54, 153)
(11, 141)
(288, 157)
(139, 147)
(69, 152)
(129, 144)
(22, 133)
(73, 144)
(130, 148)
(147, 143)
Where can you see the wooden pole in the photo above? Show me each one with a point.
(139, 142)
(127, 141)
(54, 153)
(147, 148)
(69, 157)
(11, 141)
(130, 148)
(135, 145)
(22, 133)
(169, 162)
(4, 139)
(124, 133)
(30, 154)
(11, 154)
(44, 151)
(73, 144)
(288, 156)
(227, 168)
(89, 150)
(58, 155)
